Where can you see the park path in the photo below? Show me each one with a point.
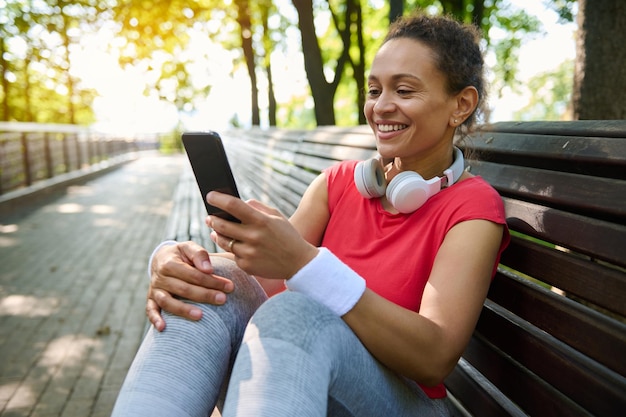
(72, 289)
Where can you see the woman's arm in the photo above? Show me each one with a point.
(426, 346)
(310, 220)
(423, 346)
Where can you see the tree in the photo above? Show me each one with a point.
(600, 73)
(551, 95)
(245, 29)
(396, 9)
(323, 91)
(154, 36)
(38, 40)
(347, 18)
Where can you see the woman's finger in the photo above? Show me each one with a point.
(175, 306)
(154, 315)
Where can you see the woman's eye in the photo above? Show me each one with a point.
(403, 92)
(373, 92)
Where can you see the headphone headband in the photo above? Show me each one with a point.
(456, 169)
(407, 191)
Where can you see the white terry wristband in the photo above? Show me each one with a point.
(329, 281)
(162, 244)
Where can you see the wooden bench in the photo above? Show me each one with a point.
(551, 340)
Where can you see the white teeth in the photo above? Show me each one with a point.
(391, 128)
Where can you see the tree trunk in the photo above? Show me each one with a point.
(5, 81)
(69, 80)
(396, 9)
(322, 91)
(271, 97)
(245, 25)
(359, 67)
(267, 46)
(600, 73)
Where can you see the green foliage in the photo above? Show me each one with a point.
(550, 95)
(157, 38)
(564, 8)
(38, 39)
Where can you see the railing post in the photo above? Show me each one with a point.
(66, 153)
(79, 159)
(88, 149)
(26, 159)
(47, 154)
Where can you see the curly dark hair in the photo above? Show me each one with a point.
(457, 52)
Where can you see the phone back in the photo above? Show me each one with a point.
(210, 167)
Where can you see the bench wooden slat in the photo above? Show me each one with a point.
(276, 182)
(479, 396)
(599, 197)
(515, 382)
(601, 156)
(566, 320)
(335, 153)
(597, 238)
(540, 149)
(569, 272)
(592, 386)
(584, 128)
(186, 222)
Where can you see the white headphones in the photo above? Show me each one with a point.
(407, 191)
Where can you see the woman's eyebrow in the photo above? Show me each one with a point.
(396, 77)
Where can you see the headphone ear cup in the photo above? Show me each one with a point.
(407, 191)
(369, 178)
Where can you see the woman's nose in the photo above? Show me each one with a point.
(384, 104)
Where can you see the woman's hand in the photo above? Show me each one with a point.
(183, 270)
(265, 243)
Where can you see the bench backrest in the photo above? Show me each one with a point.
(552, 335)
(551, 339)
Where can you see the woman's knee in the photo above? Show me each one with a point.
(233, 316)
(297, 319)
(248, 294)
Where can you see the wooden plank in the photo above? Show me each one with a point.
(335, 152)
(529, 392)
(583, 155)
(597, 238)
(477, 394)
(579, 276)
(591, 385)
(587, 128)
(602, 198)
(590, 332)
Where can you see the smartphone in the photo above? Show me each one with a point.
(210, 167)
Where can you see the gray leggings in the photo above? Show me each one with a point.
(297, 358)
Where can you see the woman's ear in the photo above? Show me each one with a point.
(466, 102)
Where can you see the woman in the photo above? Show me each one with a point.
(383, 295)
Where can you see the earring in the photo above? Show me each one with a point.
(455, 121)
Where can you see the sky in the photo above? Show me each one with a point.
(122, 106)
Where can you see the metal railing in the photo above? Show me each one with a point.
(30, 152)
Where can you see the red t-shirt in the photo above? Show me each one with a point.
(395, 253)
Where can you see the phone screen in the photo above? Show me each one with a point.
(210, 167)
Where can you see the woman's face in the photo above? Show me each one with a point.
(407, 104)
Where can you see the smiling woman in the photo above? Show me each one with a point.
(348, 337)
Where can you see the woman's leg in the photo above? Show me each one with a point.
(298, 358)
(180, 371)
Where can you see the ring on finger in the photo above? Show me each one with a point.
(230, 244)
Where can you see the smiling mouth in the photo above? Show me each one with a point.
(391, 128)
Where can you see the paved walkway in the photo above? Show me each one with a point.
(72, 289)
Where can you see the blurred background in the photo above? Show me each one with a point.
(143, 66)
